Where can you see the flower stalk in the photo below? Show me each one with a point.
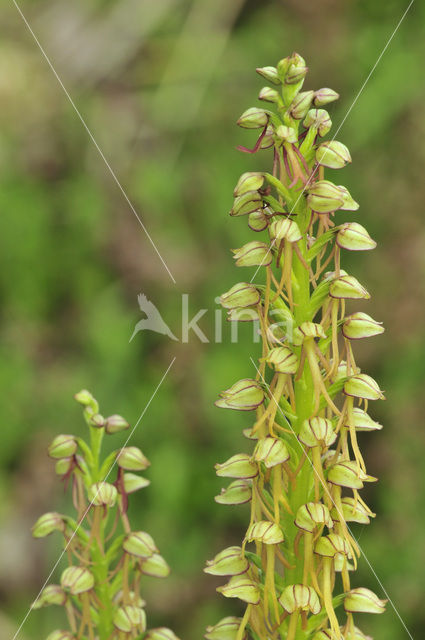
(100, 589)
(309, 396)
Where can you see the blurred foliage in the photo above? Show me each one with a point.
(160, 85)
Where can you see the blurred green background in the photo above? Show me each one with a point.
(160, 84)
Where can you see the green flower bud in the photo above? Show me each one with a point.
(312, 330)
(333, 154)
(229, 562)
(353, 511)
(246, 203)
(161, 633)
(271, 451)
(132, 459)
(285, 228)
(52, 594)
(242, 294)
(64, 466)
(363, 386)
(239, 466)
(324, 96)
(155, 566)
(60, 635)
(102, 494)
(76, 580)
(348, 474)
(317, 432)
(363, 600)
(252, 254)
(363, 422)
(348, 288)
(287, 134)
(299, 597)
(249, 181)
(86, 399)
(254, 118)
(348, 203)
(115, 424)
(332, 545)
(269, 95)
(354, 237)
(360, 325)
(283, 360)
(241, 587)
(295, 73)
(312, 515)
(238, 492)
(283, 65)
(265, 532)
(63, 446)
(130, 619)
(97, 420)
(324, 197)
(258, 221)
(47, 523)
(140, 544)
(301, 104)
(319, 119)
(244, 395)
(133, 483)
(226, 629)
(269, 73)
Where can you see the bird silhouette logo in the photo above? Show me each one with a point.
(153, 320)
